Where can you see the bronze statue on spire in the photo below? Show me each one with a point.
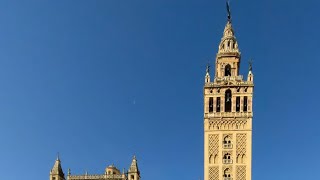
(208, 68)
(250, 64)
(228, 10)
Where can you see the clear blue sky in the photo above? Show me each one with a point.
(100, 81)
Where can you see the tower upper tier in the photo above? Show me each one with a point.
(228, 45)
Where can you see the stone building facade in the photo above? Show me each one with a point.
(228, 114)
(110, 173)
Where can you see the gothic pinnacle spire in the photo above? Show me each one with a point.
(134, 165)
(57, 169)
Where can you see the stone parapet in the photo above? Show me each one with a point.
(97, 177)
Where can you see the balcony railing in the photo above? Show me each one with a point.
(227, 146)
(97, 177)
(229, 78)
(227, 161)
(229, 114)
(227, 178)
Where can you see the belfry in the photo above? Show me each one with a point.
(228, 114)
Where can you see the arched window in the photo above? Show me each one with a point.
(210, 159)
(245, 104)
(210, 104)
(227, 70)
(228, 101)
(238, 104)
(227, 158)
(218, 104)
(243, 159)
(227, 142)
(213, 159)
(238, 158)
(227, 173)
(216, 159)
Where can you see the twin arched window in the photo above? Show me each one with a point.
(227, 142)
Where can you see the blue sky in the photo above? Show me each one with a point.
(100, 81)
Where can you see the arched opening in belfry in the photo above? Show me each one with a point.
(227, 70)
(228, 100)
(210, 104)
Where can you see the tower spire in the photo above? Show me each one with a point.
(134, 165)
(134, 172)
(56, 171)
(228, 45)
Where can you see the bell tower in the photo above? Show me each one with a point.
(228, 114)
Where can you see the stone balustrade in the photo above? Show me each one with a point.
(228, 114)
(97, 177)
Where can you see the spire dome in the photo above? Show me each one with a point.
(228, 44)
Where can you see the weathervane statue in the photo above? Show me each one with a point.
(228, 10)
(250, 64)
(208, 68)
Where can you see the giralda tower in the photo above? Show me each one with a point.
(228, 114)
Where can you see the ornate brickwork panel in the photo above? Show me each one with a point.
(213, 147)
(214, 173)
(241, 144)
(241, 173)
